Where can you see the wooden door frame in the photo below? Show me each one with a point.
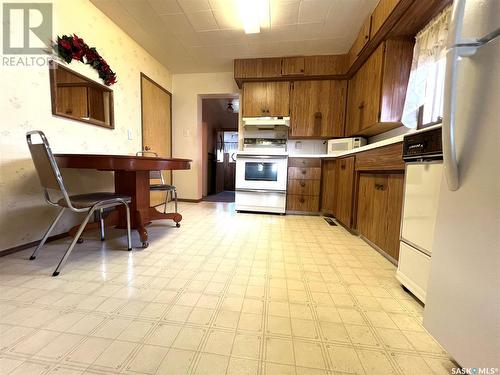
(143, 75)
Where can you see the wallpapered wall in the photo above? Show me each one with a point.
(25, 105)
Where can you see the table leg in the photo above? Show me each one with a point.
(136, 185)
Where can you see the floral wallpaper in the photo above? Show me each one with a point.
(25, 105)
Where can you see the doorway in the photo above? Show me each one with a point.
(156, 117)
(220, 143)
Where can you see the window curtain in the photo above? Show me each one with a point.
(424, 94)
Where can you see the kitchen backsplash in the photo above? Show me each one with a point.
(306, 146)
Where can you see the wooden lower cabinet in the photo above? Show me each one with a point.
(343, 187)
(305, 203)
(328, 186)
(379, 203)
(304, 179)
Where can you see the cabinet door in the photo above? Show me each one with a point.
(361, 40)
(363, 107)
(318, 108)
(257, 68)
(380, 14)
(395, 189)
(344, 190)
(254, 99)
(380, 198)
(277, 99)
(373, 187)
(328, 186)
(292, 66)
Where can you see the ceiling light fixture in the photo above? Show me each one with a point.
(254, 14)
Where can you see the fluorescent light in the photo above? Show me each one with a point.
(254, 14)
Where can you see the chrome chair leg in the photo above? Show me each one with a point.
(175, 200)
(101, 224)
(73, 242)
(129, 235)
(46, 235)
(165, 204)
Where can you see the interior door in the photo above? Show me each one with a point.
(156, 106)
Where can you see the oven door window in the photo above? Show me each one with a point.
(261, 171)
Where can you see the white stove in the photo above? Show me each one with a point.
(261, 175)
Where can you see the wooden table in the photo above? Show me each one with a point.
(132, 179)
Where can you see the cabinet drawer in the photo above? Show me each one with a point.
(304, 162)
(298, 202)
(383, 158)
(303, 187)
(299, 173)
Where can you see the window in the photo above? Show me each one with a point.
(424, 96)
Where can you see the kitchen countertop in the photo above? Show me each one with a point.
(385, 142)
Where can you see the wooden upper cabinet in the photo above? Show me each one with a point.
(278, 98)
(257, 68)
(283, 68)
(361, 40)
(364, 98)
(381, 13)
(318, 109)
(377, 91)
(262, 99)
(292, 66)
(325, 65)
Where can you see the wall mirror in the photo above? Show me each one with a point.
(77, 97)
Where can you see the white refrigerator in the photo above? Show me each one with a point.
(462, 309)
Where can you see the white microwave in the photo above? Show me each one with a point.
(345, 144)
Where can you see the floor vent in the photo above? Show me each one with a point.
(330, 221)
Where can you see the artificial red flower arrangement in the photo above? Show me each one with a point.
(74, 48)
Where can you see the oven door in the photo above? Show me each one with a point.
(261, 172)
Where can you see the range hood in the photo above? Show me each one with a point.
(266, 122)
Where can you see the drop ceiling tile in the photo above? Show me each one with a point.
(227, 19)
(314, 10)
(280, 33)
(191, 6)
(165, 6)
(284, 13)
(189, 39)
(222, 4)
(310, 30)
(202, 21)
(177, 23)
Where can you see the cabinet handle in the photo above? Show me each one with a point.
(361, 105)
(342, 166)
(379, 186)
(303, 184)
(303, 171)
(302, 200)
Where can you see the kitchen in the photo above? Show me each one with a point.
(383, 180)
(301, 187)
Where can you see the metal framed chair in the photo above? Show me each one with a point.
(51, 179)
(162, 186)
